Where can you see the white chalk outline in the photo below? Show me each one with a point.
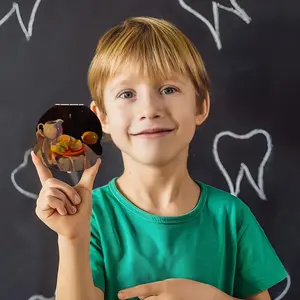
(215, 30)
(244, 169)
(40, 297)
(16, 9)
(259, 188)
(16, 170)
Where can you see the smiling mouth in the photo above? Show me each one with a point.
(153, 132)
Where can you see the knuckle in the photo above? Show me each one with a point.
(51, 190)
(50, 181)
(54, 192)
(48, 191)
(70, 192)
(57, 193)
(60, 205)
(51, 200)
(66, 203)
(63, 200)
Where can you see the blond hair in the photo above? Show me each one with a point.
(156, 47)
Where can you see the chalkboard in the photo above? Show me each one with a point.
(249, 146)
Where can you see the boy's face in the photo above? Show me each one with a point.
(151, 123)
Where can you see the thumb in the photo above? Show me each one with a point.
(88, 177)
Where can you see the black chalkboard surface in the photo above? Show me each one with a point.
(249, 145)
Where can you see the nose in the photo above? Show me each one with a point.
(151, 106)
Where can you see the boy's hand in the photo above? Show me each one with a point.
(174, 289)
(65, 209)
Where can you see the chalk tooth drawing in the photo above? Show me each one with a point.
(18, 169)
(258, 187)
(244, 170)
(16, 9)
(215, 29)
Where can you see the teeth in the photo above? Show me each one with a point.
(244, 170)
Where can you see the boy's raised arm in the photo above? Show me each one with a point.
(67, 211)
(74, 280)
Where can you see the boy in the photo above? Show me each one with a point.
(153, 232)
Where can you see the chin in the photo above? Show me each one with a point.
(157, 159)
(156, 156)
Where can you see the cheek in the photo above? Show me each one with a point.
(185, 113)
(118, 131)
(119, 121)
(185, 116)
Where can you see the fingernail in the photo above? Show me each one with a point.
(120, 295)
(76, 199)
(73, 209)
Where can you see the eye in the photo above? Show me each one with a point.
(168, 90)
(125, 95)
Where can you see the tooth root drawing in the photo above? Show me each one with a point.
(16, 170)
(215, 30)
(16, 9)
(287, 287)
(244, 170)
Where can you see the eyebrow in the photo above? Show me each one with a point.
(121, 82)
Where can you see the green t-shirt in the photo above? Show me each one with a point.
(219, 242)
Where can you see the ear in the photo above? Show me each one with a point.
(202, 113)
(101, 116)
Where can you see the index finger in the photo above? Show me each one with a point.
(143, 290)
(43, 172)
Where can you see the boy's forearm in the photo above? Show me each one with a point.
(222, 296)
(260, 296)
(227, 297)
(74, 280)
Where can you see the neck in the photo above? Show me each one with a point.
(163, 190)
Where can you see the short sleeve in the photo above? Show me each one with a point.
(96, 256)
(258, 267)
